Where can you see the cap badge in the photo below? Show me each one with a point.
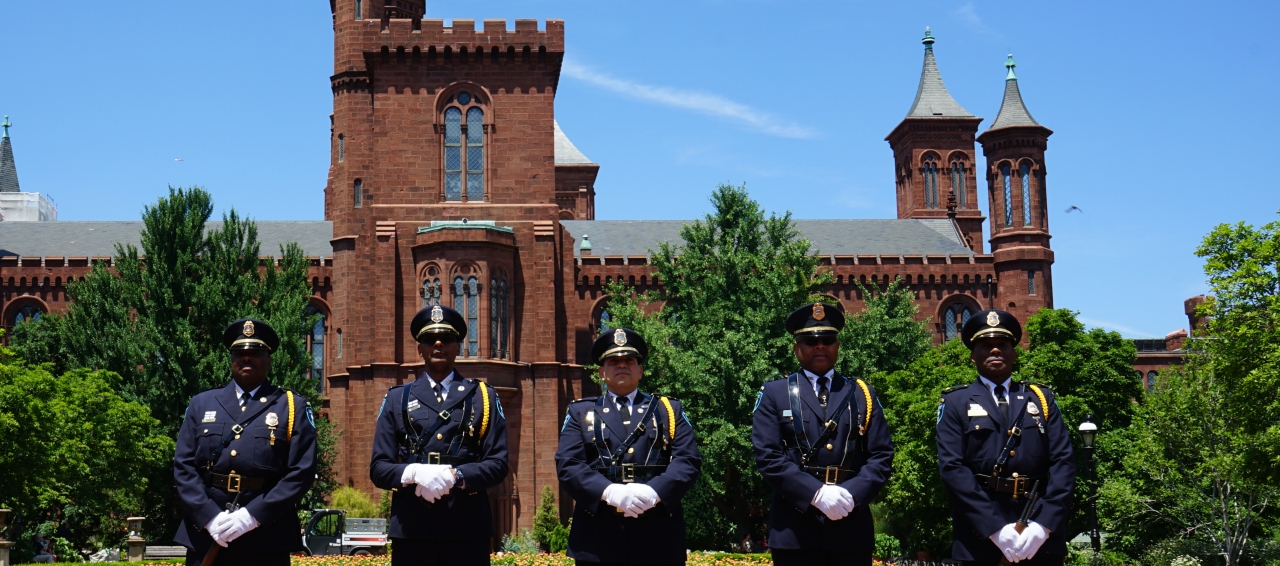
(619, 337)
(272, 419)
(993, 319)
(437, 313)
(818, 312)
(248, 328)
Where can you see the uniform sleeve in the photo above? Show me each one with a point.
(1054, 508)
(685, 464)
(298, 477)
(875, 472)
(190, 484)
(785, 476)
(385, 470)
(967, 497)
(491, 469)
(584, 484)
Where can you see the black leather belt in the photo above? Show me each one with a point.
(445, 459)
(830, 475)
(235, 483)
(1017, 486)
(631, 473)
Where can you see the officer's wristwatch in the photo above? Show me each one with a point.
(459, 479)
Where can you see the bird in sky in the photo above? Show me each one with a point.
(1075, 208)
(177, 159)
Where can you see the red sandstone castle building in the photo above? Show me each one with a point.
(450, 182)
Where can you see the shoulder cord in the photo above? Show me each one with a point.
(1044, 405)
(289, 433)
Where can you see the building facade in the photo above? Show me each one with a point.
(451, 183)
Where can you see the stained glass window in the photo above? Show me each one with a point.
(956, 316)
(358, 193)
(930, 183)
(1025, 173)
(359, 9)
(473, 317)
(452, 154)
(315, 344)
(431, 292)
(1008, 194)
(29, 313)
(1151, 380)
(475, 154)
(957, 182)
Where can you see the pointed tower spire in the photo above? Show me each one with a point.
(932, 99)
(1012, 111)
(8, 171)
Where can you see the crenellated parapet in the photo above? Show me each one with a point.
(430, 42)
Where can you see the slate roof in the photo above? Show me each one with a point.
(8, 171)
(932, 99)
(1012, 111)
(74, 239)
(838, 237)
(566, 152)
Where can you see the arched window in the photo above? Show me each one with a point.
(466, 300)
(954, 318)
(342, 148)
(1025, 173)
(359, 9)
(930, 182)
(1008, 194)
(431, 292)
(606, 322)
(464, 148)
(957, 182)
(1031, 282)
(358, 190)
(498, 322)
(315, 344)
(28, 313)
(1151, 380)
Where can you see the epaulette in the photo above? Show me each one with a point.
(954, 388)
(1040, 385)
(591, 399)
(671, 397)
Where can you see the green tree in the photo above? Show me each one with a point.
(717, 338)
(75, 451)
(156, 318)
(551, 534)
(885, 336)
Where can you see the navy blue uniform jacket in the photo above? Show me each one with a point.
(969, 445)
(600, 533)
(463, 513)
(793, 522)
(289, 465)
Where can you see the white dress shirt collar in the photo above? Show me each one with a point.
(991, 387)
(813, 379)
(446, 382)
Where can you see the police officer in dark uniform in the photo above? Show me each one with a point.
(822, 443)
(627, 458)
(245, 457)
(440, 443)
(998, 441)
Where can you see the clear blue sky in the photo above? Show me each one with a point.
(1161, 112)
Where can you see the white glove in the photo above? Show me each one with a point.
(621, 496)
(434, 480)
(216, 525)
(643, 498)
(834, 501)
(235, 525)
(1030, 540)
(1006, 539)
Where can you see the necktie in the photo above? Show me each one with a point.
(439, 389)
(624, 410)
(1002, 401)
(244, 400)
(823, 392)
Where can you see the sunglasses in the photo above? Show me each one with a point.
(445, 339)
(815, 340)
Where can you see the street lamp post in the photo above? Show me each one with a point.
(1088, 434)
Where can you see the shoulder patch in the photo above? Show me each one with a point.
(382, 406)
(941, 407)
(311, 417)
(759, 399)
(498, 403)
(954, 388)
(565, 425)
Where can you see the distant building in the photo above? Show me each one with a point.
(15, 205)
(1158, 354)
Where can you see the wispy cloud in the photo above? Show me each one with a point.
(1123, 330)
(967, 15)
(700, 102)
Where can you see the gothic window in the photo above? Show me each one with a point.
(605, 324)
(339, 332)
(431, 292)
(498, 321)
(28, 313)
(1008, 194)
(359, 9)
(957, 182)
(464, 149)
(466, 300)
(315, 345)
(1025, 173)
(358, 190)
(1031, 282)
(930, 182)
(1151, 380)
(954, 318)
(342, 148)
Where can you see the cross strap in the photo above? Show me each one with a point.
(602, 449)
(1014, 432)
(239, 427)
(807, 453)
(416, 441)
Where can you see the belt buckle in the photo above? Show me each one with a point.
(236, 478)
(433, 457)
(830, 475)
(628, 473)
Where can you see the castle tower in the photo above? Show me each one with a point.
(1014, 146)
(934, 157)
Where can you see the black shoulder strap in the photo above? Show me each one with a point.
(1016, 431)
(615, 456)
(415, 441)
(833, 423)
(797, 422)
(467, 428)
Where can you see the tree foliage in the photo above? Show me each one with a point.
(156, 318)
(75, 451)
(885, 336)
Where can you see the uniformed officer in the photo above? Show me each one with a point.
(998, 441)
(245, 457)
(440, 443)
(822, 443)
(627, 458)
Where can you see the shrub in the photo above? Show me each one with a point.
(887, 547)
(523, 543)
(354, 502)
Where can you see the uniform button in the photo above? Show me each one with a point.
(1013, 452)
(631, 451)
(976, 427)
(233, 453)
(206, 431)
(830, 447)
(440, 436)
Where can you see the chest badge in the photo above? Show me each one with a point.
(210, 417)
(273, 419)
(1032, 409)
